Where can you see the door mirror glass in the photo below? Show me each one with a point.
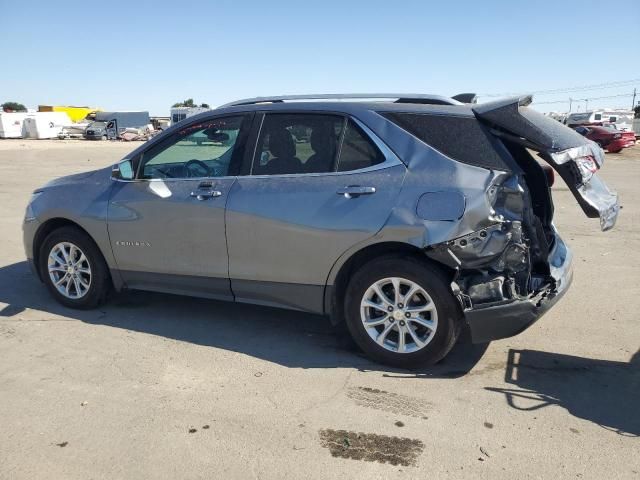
(122, 170)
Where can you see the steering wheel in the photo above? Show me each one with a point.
(197, 168)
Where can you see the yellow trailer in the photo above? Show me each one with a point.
(76, 114)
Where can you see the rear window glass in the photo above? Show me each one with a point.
(460, 138)
(358, 151)
(547, 133)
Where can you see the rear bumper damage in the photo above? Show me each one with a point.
(501, 320)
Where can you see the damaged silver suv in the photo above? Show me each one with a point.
(408, 217)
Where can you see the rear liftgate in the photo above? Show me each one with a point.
(512, 271)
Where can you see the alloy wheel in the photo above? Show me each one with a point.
(399, 315)
(69, 270)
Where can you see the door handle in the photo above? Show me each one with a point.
(354, 191)
(206, 194)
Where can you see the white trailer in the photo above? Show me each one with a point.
(11, 124)
(45, 124)
(636, 126)
(622, 119)
(180, 113)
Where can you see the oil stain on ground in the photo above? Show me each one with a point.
(371, 447)
(389, 402)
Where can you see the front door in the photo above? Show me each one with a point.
(167, 227)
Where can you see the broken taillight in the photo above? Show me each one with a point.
(550, 174)
(587, 166)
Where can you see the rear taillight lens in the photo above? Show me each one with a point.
(617, 135)
(550, 174)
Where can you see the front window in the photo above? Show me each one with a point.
(200, 150)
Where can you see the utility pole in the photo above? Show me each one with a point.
(586, 104)
(570, 102)
(633, 102)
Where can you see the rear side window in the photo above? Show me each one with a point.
(460, 138)
(296, 143)
(358, 151)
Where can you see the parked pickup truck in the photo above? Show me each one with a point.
(111, 124)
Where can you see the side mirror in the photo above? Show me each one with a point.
(122, 170)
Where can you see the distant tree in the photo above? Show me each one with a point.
(205, 105)
(13, 107)
(637, 111)
(187, 103)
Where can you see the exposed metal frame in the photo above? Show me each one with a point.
(396, 97)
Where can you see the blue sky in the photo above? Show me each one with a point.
(148, 55)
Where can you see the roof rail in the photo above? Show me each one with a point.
(399, 98)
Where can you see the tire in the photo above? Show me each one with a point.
(437, 340)
(98, 279)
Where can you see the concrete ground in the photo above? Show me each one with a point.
(159, 386)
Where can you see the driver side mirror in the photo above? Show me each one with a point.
(122, 170)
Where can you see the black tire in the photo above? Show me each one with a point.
(100, 284)
(433, 281)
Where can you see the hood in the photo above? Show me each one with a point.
(76, 178)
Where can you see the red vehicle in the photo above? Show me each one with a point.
(608, 137)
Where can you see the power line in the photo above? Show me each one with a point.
(596, 86)
(584, 99)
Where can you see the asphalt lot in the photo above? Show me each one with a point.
(158, 386)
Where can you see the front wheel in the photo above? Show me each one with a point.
(401, 312)
(73, 268)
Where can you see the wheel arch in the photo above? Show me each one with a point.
(49, 226)
(334, 292)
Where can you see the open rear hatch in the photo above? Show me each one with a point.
(575, 158)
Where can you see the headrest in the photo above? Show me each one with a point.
(281, 144)
(323, 140)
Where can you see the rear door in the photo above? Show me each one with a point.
(318, 184)
(574, 157)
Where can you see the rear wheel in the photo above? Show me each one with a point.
(401, 312)
(73, 268)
